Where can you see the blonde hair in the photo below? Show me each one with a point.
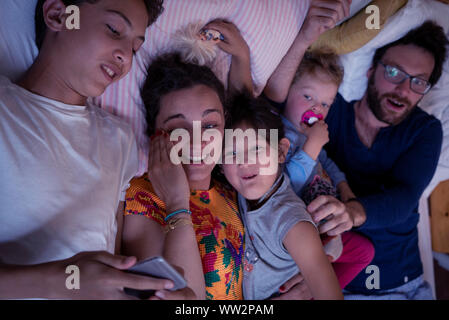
(187, 42)
(321, 62)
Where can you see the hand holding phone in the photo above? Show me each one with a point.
(159, 268)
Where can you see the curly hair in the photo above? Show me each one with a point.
(169, 73)
(154, 8)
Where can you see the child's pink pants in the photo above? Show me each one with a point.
(357, 254)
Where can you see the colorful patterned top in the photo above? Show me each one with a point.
(219, 232)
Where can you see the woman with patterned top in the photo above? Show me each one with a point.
(176, 96)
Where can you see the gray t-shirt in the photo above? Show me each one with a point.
(268, 265)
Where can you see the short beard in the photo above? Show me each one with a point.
(374, 104)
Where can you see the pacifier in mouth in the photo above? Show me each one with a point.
(310, 117)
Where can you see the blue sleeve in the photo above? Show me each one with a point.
(410, 176)
(331, 168)
(299, 167)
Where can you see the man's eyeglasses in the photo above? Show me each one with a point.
(397, 76)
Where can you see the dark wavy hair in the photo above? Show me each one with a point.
(169, 73)
(255, 112)
(430, 37)
(154, 8)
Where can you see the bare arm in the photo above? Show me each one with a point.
(100, 277)
(18, 282)
(304, 245)
(345, 191)
(119, 218)
(239, 77)
(279, 83)
(181, 249)
(322, 15)
(144, 237)
(317, 137)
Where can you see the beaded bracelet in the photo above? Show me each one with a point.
(177, 212)
(174, 223)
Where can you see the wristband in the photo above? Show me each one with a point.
(174, 223)
(177, 212)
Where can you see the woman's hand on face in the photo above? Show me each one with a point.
(169, 180)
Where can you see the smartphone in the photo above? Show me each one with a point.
(155, 267)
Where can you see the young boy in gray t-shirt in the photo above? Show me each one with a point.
(280, 236)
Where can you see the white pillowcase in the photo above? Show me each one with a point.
(356, 6)
(17, 47)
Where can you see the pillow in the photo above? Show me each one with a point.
(356, 6)
(17, 47)
(353, 34)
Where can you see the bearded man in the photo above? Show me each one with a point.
(389, 149)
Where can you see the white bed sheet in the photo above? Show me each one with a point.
(17, 47)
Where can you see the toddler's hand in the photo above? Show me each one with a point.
(233, 42)
(317, 133)
(317, 137)
(323, 15)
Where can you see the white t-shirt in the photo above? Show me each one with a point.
(63, 171)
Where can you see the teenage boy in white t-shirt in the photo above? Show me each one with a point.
(64, 163)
